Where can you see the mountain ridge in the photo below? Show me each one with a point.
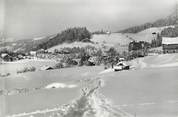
(167, 21)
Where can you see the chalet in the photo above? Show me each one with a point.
(33, 53)
(170, 45)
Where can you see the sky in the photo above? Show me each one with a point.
(36, 18)
(1, 14)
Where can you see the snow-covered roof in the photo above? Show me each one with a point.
(45, 67)
(3, 55)
(170, 40)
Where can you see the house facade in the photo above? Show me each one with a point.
(170, 44)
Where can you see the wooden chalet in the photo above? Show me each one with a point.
(170, 44)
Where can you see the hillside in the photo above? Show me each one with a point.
(118, 41)
(71, 45)
(24, 45)
(67, 36)
(113, 39)
(146, 35)
(170, 20)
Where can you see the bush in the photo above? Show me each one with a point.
(4, 75)
(27, 69)
(69, 61)
(88, 63)
(58, 66)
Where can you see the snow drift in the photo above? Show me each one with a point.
(90, 103)
(60, 85)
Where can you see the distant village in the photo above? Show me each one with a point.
(89, 55)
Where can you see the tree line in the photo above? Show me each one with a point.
(170, 20)
(170, 32)
(67, 36)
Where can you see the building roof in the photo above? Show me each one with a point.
(170, 40)
(4, 55)
(46, 68)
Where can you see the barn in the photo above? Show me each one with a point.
(170, 44)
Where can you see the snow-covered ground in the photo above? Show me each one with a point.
(13, 67)
(60, 85)
(156, 61)
(71, 45)
(146, 35)
(148, 91)
(113, 39)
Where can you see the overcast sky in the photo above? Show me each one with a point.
(35, 18)
(1, 14)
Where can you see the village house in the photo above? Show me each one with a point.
(33, 53)
(170, 44)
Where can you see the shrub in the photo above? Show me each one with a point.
(58, 66)
(4, 75)
(69, 61)
(88, 63)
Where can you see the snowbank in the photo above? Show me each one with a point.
(106, 71)
(59, 85)
(156, 61)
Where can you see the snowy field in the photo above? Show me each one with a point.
(149, 91)
(146, 92)
(113, 39)
(156, 61)
(146, 35)
(117, 40)
(13, 67)
(71, 45)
